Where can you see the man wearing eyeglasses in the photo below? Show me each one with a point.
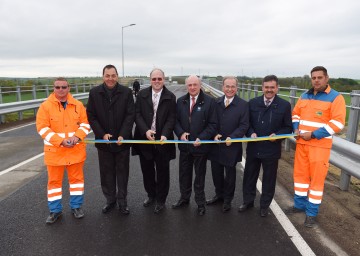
(195, 121)
(61, 121)
(111, 113)
(155, 121)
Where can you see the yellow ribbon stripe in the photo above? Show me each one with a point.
(276, 137)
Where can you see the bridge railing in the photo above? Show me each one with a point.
(345, 153)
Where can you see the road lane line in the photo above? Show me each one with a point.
(21, 164)
(284, 221)
(17, 128)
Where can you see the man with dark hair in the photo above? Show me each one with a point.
(111, 113)
(195, 121)
(233, 122)
(61, 121)
(269, 116)
(136, 87)
(317, 116)
(155, 120)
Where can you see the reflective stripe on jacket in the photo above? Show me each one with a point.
(323, 114)
(54, 124)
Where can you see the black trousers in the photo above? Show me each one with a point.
(224, 184)
(187, 162)
(156, 175)
(114, 175)
(251, 174)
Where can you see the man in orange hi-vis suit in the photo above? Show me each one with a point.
(61, 121)
(317, 116)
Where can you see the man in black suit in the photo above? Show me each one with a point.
(195, 121)
(136, 87)
(233, 122)
(269, 116)
(111, 114)
(155, 120)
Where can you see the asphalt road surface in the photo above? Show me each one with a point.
(23, 212)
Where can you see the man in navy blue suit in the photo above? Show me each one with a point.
(195, 121)
(233, 122)
(269, 116)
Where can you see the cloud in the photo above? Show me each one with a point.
(234, 37)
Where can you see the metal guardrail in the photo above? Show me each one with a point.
(344, 154)
(20, 106)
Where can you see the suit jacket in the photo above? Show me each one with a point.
(114, 116)
(201, 123)
(267, 120)
(165, 122)
(232, 122)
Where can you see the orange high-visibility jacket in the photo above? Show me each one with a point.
(323, 114)
(54, 124)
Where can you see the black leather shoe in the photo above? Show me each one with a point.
(108, 207)
(53, 217)
(148, 201)
(214, 200)
(159, 208)
(180, 203)
(78, 213)
(245, 207)
(264, 212)
(124, 209)
(201, 210)
(226, 207)
(310, 221)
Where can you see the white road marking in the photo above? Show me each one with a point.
(284, 221)
(17, 128)
(21, 164)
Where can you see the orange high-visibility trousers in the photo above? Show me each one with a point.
(310, 170)
(76, 186)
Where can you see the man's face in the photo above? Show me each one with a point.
(61, 90)
(270, 89)
(229, 88)
(110, 77)
(193, 86)
(319, 81)
(157, 80)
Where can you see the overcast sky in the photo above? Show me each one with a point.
(210, 37)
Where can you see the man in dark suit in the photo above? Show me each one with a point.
(111, 114)
(155, 120)
(233, 122)
(269, 116)
(136, 87)
(195, 121)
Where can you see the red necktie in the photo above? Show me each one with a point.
(192, 104)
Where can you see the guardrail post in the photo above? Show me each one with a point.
(256, 90)
(249, 92)
(18, 93)
(351, 134)
(34, 92)
(47, 91)
(2, 117)
(292, 100)
(76, 89)
(84, 87)
(242, 91)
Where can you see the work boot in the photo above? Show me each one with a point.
(53, 217)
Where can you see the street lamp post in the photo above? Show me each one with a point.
(122, 46)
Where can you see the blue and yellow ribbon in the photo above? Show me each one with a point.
(276, 137)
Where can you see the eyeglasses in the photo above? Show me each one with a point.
(62, 87)
(156, 78)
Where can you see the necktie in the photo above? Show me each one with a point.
(155, 105)
(192, 104)
(227, 102)
(267, 102)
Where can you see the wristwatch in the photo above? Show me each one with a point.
(312, 135)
